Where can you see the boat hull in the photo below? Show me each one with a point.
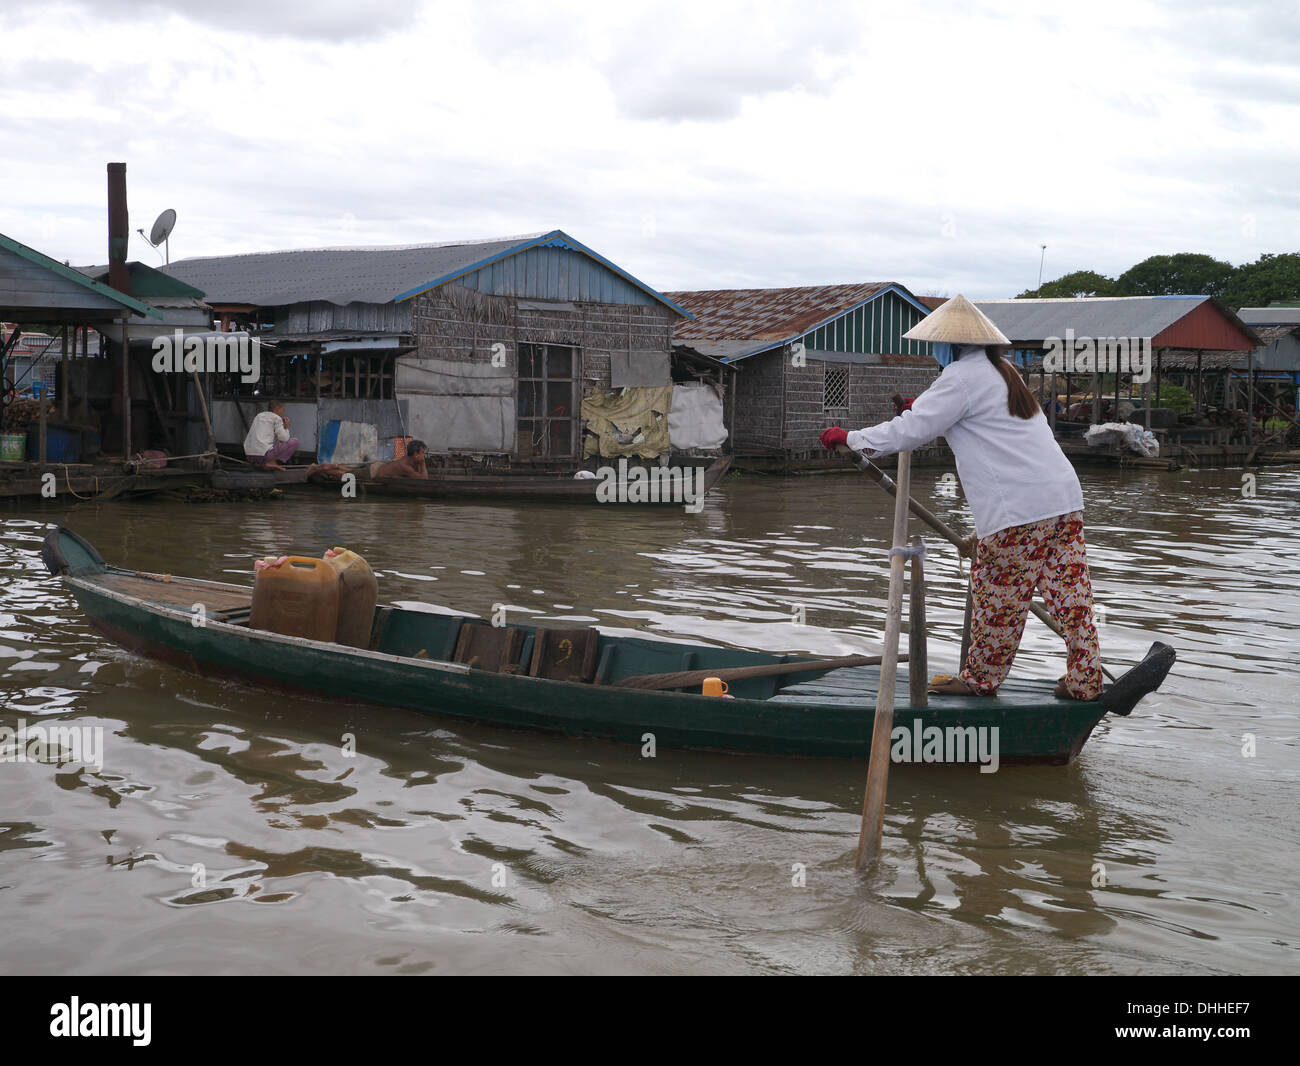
(1042, 730)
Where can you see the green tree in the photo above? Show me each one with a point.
(1080, 283)
(1271, 277)
(1187, 273)
(1177, 397)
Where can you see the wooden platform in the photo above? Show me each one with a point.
(91, 481)
(856, 686)
(217, 598)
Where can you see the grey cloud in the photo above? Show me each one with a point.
(322, 20)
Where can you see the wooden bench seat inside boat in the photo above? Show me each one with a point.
(497, 649)
(588, 657)
(564, 654)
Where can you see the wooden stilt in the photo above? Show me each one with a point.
(85, 375)
(41, 405)
(62, 377)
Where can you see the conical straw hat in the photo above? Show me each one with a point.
(957, 321)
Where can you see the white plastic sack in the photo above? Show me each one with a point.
(1129, 434)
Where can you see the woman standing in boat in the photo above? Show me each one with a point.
(1023, 493)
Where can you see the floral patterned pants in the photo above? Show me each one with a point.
(1047, 556)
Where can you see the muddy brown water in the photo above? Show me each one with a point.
(228, 832)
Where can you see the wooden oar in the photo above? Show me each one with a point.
(873, 801)
(963, 544)
(683, 678)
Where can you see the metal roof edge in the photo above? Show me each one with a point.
(534, 242)
(179, 288)
(74, 275)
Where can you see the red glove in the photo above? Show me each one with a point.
(833, 437)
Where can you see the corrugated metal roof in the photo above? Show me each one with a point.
(1270, 316)
(334, 275)
(733, 323)
(148, 283)
(362, 275)
(724, 350)
(1028, 321)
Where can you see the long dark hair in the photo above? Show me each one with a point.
(1020, 401)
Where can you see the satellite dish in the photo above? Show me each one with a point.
(162, 228)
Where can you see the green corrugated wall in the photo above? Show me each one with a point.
(877, 327)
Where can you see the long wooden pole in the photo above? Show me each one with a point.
(963, 545)
(917, 657)
(873, 802)
(965, 625)
(207, 418)
(126, 388)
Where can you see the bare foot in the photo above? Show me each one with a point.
(946, 685)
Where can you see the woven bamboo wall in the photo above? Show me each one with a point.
(453, 322)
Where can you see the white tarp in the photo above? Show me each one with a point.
(458, 406)
(696, 419)
(1140, 440)
(349, 443)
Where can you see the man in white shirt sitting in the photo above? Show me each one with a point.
(268, 442)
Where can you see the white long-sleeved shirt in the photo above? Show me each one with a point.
(266, 429)
(1012, 470)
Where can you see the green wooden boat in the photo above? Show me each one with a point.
(435, 663)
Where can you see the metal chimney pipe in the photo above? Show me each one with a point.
(118, 229)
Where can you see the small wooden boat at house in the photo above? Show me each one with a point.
(569, 681)
(678, 486)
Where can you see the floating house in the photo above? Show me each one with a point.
(495, 351)
(93, 393)
(166, 411)
(807, 357)
(1277, 359)
(1195, 339)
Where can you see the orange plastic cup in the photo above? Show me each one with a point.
(715, 686)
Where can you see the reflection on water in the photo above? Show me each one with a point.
(441, 847)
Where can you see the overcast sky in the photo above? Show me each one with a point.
(706, 144)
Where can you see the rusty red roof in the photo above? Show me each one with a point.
(749, 320)
(933, 302)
